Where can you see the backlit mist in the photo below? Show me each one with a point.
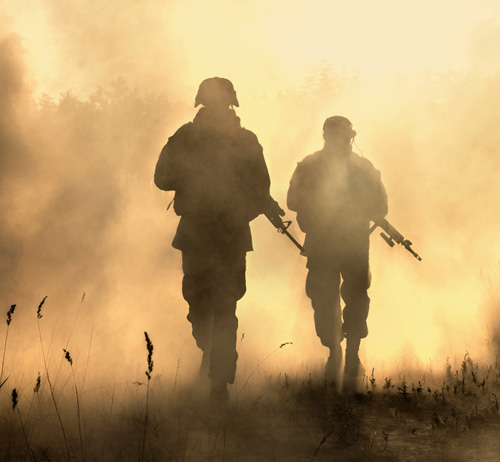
(90, 93)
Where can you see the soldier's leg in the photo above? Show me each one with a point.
(356, 281)
(229, 288)
(223, 356)
(322, 287)
(197, 291)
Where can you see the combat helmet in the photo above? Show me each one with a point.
(339, 124)
(216, 90)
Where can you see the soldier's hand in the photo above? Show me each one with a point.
(274, 212)
(273, 208)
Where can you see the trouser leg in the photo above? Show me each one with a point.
(212, 285)
(223, 355)
(354, 290)
(197, 292)
(229, 289)
(322, 287)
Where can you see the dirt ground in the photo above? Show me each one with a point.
(272, 419)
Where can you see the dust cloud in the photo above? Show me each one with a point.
(90, 94)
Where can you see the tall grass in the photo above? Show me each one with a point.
(259, 364)
(149, 347)
(281, 413)
(68, 358)
(51, 388)
(8, 321)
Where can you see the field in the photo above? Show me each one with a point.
(451, 415)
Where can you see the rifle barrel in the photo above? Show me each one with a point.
(287, 234)
(281, 227)
(394, 235)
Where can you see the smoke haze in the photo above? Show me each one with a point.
(91, 92)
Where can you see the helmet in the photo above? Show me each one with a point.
(216, 90)
(340, 125)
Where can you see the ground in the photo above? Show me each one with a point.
(271, 418)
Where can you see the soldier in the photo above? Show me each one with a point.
(221, 183)
(336, 193)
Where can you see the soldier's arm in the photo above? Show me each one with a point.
(255, 174)
(299, 199)
(167, 171)
(294, 191)
(257, 164)
(380, 201)
(164, 171)
(373, 190)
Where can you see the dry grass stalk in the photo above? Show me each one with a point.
(68, 358)
(51, 388)
(149, 346)
(260, 364)
(15, 401)
(9, 320)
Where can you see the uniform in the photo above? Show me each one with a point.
(336, 193)
(220, 178)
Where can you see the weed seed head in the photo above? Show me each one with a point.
(149, 346)
(37, 385)
(10, 313)
(39, 311)
(14, 398)
(68, 357)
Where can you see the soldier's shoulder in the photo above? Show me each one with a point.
(310, 161)
(248, 141)
(181, 136)
(183, 130)
(361, 162)
(248, 134)
(365, 168)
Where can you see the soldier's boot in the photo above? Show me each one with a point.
(219, 394)
(354, 371)
(333, 366)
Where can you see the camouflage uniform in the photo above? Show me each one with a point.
(336, 193)
(219, 175)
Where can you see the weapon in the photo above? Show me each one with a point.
(394, 236)
(274, 213)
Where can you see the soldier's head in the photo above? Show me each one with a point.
(337, 131)
(216, 92)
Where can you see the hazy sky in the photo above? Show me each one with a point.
(264, 46)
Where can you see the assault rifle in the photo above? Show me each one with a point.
(274, 213)
(394, 236)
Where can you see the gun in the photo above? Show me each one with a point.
(274, 213)
(394, 236)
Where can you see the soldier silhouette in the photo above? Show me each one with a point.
(221, 183)
(336, 193)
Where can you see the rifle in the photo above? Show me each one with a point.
(274, 213)
(394, 236)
